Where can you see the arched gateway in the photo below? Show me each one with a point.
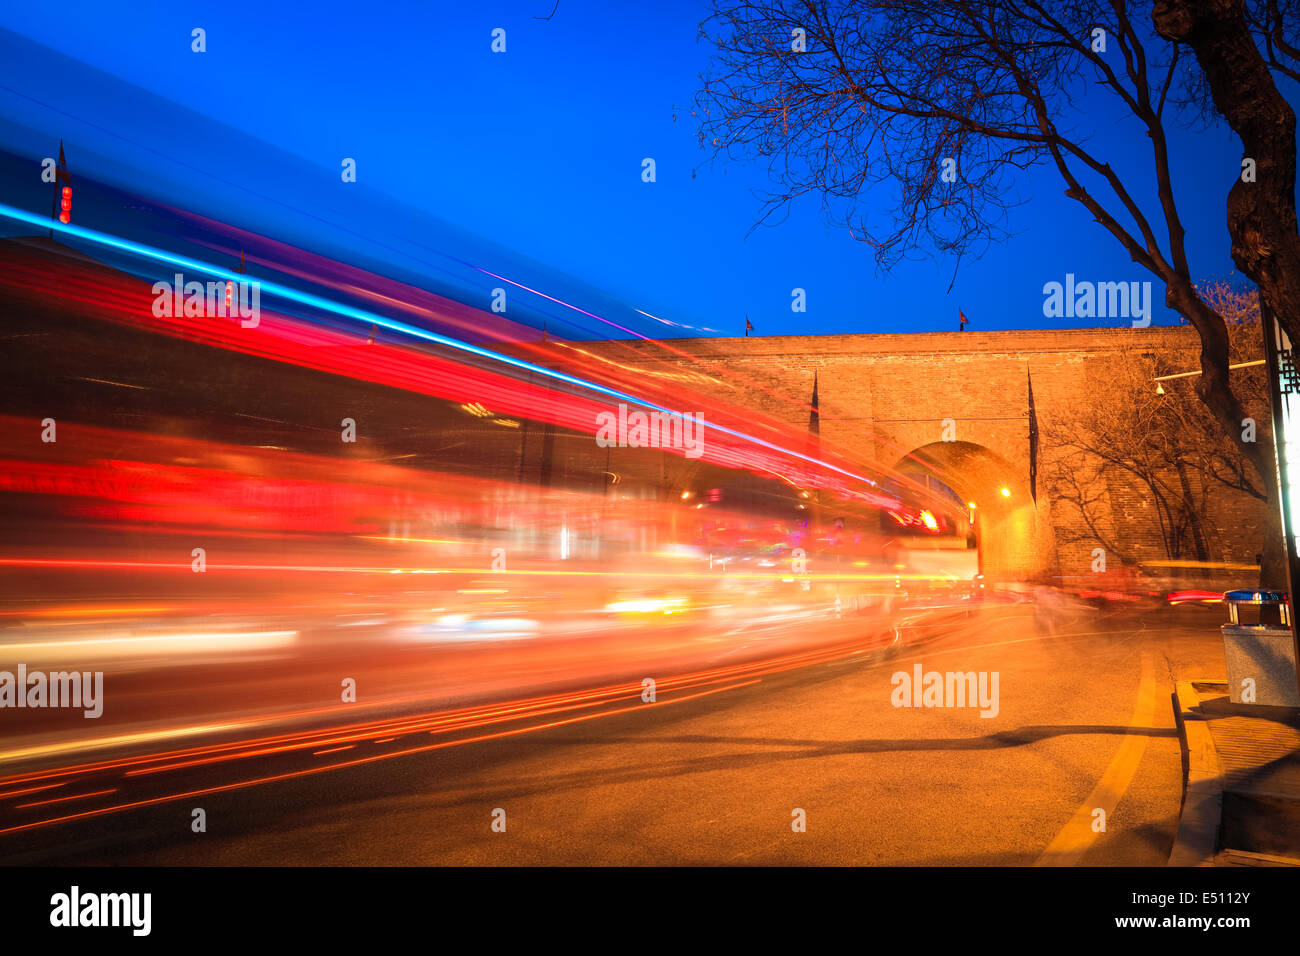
(974, 410)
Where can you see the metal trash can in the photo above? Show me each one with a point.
(1260, 657)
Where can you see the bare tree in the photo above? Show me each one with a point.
(1203, 446)
(868, 103)
(1157, 447)
(1240, 49)
(1125, 444)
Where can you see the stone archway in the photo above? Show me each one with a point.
(1014, 543)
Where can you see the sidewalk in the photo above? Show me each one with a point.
(1241, 800)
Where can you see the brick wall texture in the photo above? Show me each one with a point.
(884, 400)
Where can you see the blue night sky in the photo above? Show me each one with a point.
(527, 163)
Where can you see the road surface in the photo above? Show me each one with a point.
(714, 771)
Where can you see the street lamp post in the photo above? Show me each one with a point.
(1284, 402)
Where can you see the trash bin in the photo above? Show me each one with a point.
(1260, 657)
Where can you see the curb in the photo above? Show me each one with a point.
(1202, 811)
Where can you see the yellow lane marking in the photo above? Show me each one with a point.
(1077, 836)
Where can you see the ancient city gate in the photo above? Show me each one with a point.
(886, 400)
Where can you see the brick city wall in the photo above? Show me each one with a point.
(883, 398)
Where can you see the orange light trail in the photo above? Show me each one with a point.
(75, 796)
(19, 793)
(356, 762)
(459, 719)
(435, 724)
(526, 572)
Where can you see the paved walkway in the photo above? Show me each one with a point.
(1242, 805)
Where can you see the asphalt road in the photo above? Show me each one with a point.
(714, 770)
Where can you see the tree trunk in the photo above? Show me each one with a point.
(1212, 385)
(1261, 214)
(1272, 566)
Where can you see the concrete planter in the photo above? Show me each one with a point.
(1265, 655)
